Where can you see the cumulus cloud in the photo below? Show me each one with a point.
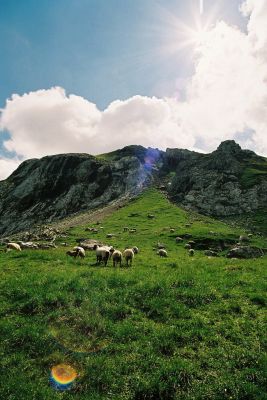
(226, 98)
(7, 166)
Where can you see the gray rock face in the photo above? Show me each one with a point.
(228, 181)
(57, 186)
(245, 252)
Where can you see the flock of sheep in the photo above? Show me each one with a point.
(104, 253)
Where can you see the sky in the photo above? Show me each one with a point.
(95, 75)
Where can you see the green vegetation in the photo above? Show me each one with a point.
(253, 174)
(176, 328)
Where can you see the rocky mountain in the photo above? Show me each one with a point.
(229, 181)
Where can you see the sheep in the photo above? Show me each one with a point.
(103, 253)
(187, 246)
(132, 230)
(125, 229)
(128, 254)
(172, 230)
(72, 253)
(110, 235)
(135, 250)
(150, 216)
(162, 253)
(13, 246)
(80, 251)
(117, 258)
(178, 239)
(191, 252)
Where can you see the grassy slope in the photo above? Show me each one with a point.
(175, 328)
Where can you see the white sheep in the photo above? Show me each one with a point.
(103, 253)
(191, 252)
(80, 251)
(128, 254)
(117, 258)
(162, 253)
(13, 246)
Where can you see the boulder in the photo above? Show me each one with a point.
(245, 252)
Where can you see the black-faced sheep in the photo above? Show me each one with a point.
(116, 258)
(128, 254)
(135, 250)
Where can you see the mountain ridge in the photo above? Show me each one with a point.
(228, 181)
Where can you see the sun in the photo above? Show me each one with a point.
(191, 33)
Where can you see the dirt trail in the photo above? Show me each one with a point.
(91, 216)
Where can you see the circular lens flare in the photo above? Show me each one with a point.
(62, 377)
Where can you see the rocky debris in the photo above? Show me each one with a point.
(245, 252)
(211, 253)
(28, 245)
(244, 239)
(88, 244)
(214, 244)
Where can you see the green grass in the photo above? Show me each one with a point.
(176, 328)
(254, 174)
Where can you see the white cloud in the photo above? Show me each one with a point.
(227, 95)
(7, 166)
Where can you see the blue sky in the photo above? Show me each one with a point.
(96, 75)
(100, 49)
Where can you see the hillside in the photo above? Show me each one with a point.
(177, 328)
(228, 182)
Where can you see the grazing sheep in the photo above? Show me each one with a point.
(172, 230)
(161, 245)
(191, 252)
(128, 254)
(103, 253)
(72, 253)
(125, 229)
(135, 250)
(187, 246)
(110, 235)
(162, 253)
(150, 216)
(117, 258)
(13, 246)
(178, 239)
(80, 251)
(132, 230)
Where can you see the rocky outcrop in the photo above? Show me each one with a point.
(219, 184)
(245, 252)
(57, 186)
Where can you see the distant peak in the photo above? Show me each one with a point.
(229, 146)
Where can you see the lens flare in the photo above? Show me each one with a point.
(62, 377)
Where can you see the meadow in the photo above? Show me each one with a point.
(181, 327)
